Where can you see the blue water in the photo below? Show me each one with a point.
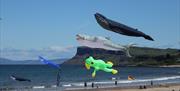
(45, 75)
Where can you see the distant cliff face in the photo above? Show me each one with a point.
(142, 56)
(97, 53)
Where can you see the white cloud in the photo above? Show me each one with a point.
(53, 52)
(61, 49)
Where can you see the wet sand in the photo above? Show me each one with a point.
(163, 87)
(169, 87)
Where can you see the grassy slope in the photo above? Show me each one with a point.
(142, 56)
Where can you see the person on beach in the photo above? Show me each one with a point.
(151, 83)
(144, 87)
(115, 82)
(140, 87)
(58, 78)
(92, 85)
(85, 84)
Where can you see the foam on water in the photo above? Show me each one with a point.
(74, 76)
(125, 81)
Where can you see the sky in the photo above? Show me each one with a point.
(29, 28)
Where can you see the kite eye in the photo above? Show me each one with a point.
(92, 63)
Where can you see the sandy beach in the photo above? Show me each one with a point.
(162, 87)
(169, 87)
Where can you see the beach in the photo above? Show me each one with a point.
(43, 78)
(162, 87)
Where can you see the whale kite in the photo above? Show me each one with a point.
(19, 78)
(102, 42)
(119, 28)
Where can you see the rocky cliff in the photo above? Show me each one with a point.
(141, 56)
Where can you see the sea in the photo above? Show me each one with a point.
(76, 76)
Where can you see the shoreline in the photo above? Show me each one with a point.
(170, 66)
(83, 65)
(158, 87)
(151, 66)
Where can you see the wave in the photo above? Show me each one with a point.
(153, 79)
(124, 81)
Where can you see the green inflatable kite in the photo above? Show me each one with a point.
(99, 65)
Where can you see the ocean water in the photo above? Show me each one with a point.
(77, 75)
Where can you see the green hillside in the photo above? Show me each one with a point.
(141, 56)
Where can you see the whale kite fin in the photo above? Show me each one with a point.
(127, 49)
(108, 38)
(148, 37)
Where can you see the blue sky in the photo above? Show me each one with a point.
(38, 25)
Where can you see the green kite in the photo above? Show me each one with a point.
(99, 65)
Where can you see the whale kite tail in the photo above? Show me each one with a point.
(128, 48)
(148, 37)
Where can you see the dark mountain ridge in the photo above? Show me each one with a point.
(4, 61)
(142, 56)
